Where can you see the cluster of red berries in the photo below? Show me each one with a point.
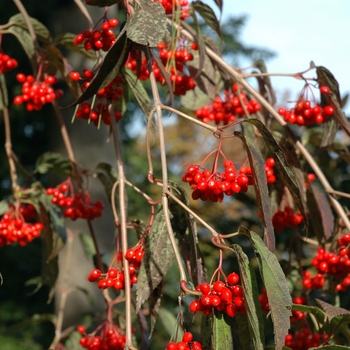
(226, 110)
(77, 206)
(110, 338)
(335, 264)
(15, 229)
(98, 39)
(104, 98)
(115, 277)
(36, 93)
(213, 186)
(269, 171)
(224, 297)
(296, 315)
(286, 218)
(187, 343)
(174, 62)
(304, 113)
(7, 63)
(171, 6)
(304, 339)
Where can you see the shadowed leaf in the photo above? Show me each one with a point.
(222, 331)
(257, 165)
(252, 304)
(206, 332)
(148, 24)
(108, 176)
(276, 286)
(53, 162)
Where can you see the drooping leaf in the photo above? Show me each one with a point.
(276, 286)
(284, 169)
(40, 30)
(222, 331)
(147, 26)
(321, 213)
(257, 165)
(26, 42)
(66, 40)
(325, 77)
(331, 310)
(53, 162)
(219, 3)
(207, 13)
(252, 305)
(111, 66)
(139, 91)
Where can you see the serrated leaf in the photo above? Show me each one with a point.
(222, 331)
(276, 286)
(40, 30)
(147, 26)
(284, 169)
(111, 66)
(88, 246)
(53, 162)
(66, 40)
(322, 218)
(207, 13)
(139, 92)
(252, 304)
(26, 42)
(331, 310)
(257, 165)
(325, 77)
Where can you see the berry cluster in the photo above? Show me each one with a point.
(174, 62)
(335, 264)
(36, 93)
(213, 186)
(226, 110)
(269, 171)
(15, 229)
(187, 343)
(296, 315)
(98, 39)
(77, 206)
(173, 5)
(115, 277)
(286, 218)
(304, 339)
(7, 63)
(104, 98)
(110, 338)
(224, 297)
(306, 113)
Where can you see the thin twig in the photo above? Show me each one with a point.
(85, 13)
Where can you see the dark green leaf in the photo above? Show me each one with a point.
(88, 246)
(154, 305)
(101, 3)
(58, 224)
(222, 331)
(276, 286)
(321, 213)
(206, 332)
(53, 162)
(284, 169)
(110, 68)
(257, 165)
(252, 304)
(108, 176)
(40, 30)
(66, 40)
(148, 24)
(207, 13)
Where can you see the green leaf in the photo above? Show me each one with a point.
(40, 30)
(207, 13)
(88, 245)
(108, 176)
(53, 162)
(66, 40)
(139, 91)
(111, 66)
(148, 24)
(169, 322)
(252, 304)
(194, 99)
(206, 332)
(57, 221)
(257, 165)
(284, 169)
(276, 286)
(222, 331)
(26, 42)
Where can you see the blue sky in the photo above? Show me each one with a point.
(299, 31)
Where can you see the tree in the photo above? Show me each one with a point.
(232, 187)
